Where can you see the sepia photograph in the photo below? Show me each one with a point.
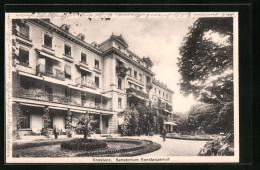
(121, 87)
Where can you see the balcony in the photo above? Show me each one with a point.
(50, 72)
(121, 70)
(137, 92)
(30, 94)
(149, 86)
(168, 107)
(86, 83)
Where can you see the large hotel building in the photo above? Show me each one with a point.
(53, 68)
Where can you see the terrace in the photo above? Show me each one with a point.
(137, 92)
(50, 72)
(86, 82)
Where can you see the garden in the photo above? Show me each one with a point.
(78, 147)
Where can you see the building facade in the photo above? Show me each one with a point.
(56, 70)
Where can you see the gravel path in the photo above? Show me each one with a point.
(174, 147)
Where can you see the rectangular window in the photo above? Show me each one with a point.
(97, 101)
(67, 70)
(106, 122)
(67, 92)
(67, 50)
(159, 92)
(130, 72)
(154, 90)
(83, 58)
(166, 96)
(120, 102)
(97, 81)
(83, 97)
(49, 92)
(140, 77)
(135, 74)
(163, 94)
(25, 120)
(96, 64)
(47, 40)
(25, 84)
(24, 31)
(119, 85)
(23, 57)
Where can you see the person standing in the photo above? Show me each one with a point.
(164, 134)
(55, 132)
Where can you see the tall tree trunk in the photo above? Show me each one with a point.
(85, 135)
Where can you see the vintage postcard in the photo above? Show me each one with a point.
(121, 87)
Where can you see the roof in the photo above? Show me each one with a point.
(148, 60)
(120, 39)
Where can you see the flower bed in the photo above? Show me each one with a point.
(142, 147)
(37, 143)
(115, 147)
(190, 137)
(81, 144)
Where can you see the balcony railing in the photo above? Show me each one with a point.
(121, 70)
(50, 72)
(30, 94)
(96, 106)
(168, 107)
(86, 82)
(42, 96)
(137, 92)
(26, 64)
(149, 85)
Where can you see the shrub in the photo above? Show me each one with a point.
(98, 131)
(84, 145)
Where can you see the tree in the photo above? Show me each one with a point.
(205, 64)
(46, 121)
(17, 119)
(130, 124)
(84, 124)
(68, 123)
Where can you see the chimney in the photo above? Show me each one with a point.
(81, 36)
(65, 27)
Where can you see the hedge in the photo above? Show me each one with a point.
(81, 144)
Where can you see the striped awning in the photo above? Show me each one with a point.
(33, 105)
(50, 56)
(30, 75)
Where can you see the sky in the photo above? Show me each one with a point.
(158, 39)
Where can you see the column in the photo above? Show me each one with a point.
(100, 123)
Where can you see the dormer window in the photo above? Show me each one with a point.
(119, 47)
(138, 61)
(130, 56)
(81, 36)
(65, 27)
